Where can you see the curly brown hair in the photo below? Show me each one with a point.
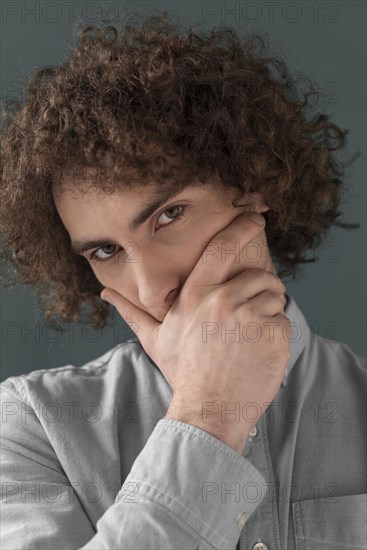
(150, 103)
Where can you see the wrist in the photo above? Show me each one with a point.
(228, 433)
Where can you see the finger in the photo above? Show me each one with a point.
(219, 255)
(268, 303)
(139, 321)
(253, 281)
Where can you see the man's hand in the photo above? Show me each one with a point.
(223, 342)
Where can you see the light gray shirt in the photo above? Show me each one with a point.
(88, 462)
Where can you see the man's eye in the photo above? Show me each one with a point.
(94, 257)
(175, 218)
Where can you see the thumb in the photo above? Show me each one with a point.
(138, 320)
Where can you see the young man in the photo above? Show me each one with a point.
(223, 423)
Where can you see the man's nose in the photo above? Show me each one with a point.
(157, 286)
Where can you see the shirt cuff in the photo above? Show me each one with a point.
(200, 479)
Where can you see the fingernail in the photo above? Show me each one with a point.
(257, 218)
(106, 298)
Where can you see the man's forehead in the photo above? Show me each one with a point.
(144, 191)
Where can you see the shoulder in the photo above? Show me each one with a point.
(98, 374)
(334, 365)
(320, 363)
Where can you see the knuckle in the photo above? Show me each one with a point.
(279, 283)
(275, 297)
(253, 274)
(281, 299)
(258, 272)
(251, 311)
(218, 300)
(252, 271)
(223, 295)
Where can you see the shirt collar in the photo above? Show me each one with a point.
(300, 334)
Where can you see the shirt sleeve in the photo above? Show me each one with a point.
(39, 507)
(186, 490)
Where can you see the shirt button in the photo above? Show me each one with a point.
(252, 433)
(241, 520)
(260, 546)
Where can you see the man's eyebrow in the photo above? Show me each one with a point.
(158, 199)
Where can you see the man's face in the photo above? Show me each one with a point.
(150, 264)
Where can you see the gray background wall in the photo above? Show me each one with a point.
(323, 40)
